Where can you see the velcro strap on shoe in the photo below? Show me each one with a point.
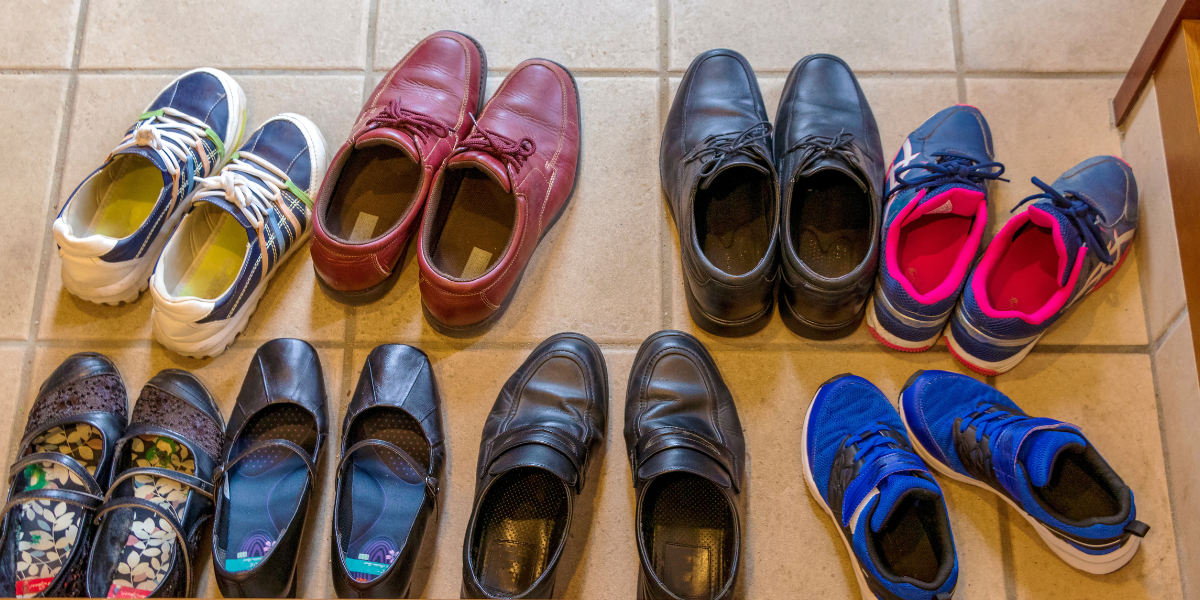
(671, 438)
(1006, 450)
(164, 516)
(204, 488)
(570, 448)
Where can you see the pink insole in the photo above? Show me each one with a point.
(928, 247)
(1026, 276)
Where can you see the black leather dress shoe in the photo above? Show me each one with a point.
(161, 494)
(548, 421)
(719, 176)
(276, 431)
(831, 168)
(60, 477)
(387, 481)
(688, 459)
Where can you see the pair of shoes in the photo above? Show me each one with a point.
(102, 507)
(539, 446)
(1071, 240)
(866, 465)
(482, 183)
(181, 208)
(803, 203)
(392, 457)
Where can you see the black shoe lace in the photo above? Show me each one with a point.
(718, 148)
(815, 147)
(420, 125)
(950, 167)
(1084, 216)
(511, 152)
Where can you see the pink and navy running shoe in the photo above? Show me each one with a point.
(1045, 469)
(1069, 242)
(937, 188)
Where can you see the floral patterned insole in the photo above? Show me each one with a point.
(146, 558)
(46, 530)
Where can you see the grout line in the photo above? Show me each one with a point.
(1089, 349)
(60, 159)
(369, 62)
(1176, 322)
(956, 35)
(666, 264)
(1006, 549)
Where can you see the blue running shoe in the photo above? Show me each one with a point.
(113, 227)
(860, 467)
(1046, 469)
(934, 221)
(1071, 240)
(243, 223)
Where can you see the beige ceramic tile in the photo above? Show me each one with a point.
(597, 270)
(1158, 256)
(1112, 314)
(608, 34)
(908, 35)
(1111, 397)
(1179, 399)
(30, 121)
(793, 548)
(269, 34)
(1069, 35)
(331, 101)
(49, 44)
(12, 409)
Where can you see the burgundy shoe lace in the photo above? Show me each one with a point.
(511, 152)
(397, 117)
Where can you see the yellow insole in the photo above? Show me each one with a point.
(128, 200)
(216, 265)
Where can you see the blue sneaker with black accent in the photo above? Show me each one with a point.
(1069, 242)
(1046, 469)
(934, 221)
(113, 227)
(243, 224)
(860, 467)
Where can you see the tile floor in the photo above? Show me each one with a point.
(73, 73)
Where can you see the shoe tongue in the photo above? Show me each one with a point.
(955, 198)
(151, 155)
(894, 490)
(484, 162)
(386, 136)
(536, 455)
(830, 163)
(1041, 450)
(673, 460)
(737, 160)
(231, 208)
(1067, 240)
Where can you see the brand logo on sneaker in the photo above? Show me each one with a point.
(905, 150)
(946, 207)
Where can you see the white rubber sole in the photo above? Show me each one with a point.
(891, 340)
(982, 366)
(813, 491)
(1088, 563)
(211, 342)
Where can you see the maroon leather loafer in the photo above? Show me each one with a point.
(372, 198)
(496, 196)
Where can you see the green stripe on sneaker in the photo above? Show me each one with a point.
(212, 135)
(299, 193)
(151, 114)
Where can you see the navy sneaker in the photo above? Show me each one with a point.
(1046, 469)
(243, 223)
(936, 215)
(112, 228)
(860, 467)
(1069, 242)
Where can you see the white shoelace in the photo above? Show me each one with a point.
(251, 197)
(172, 133)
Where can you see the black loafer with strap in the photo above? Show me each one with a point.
(160, 496)
(387, 482)
(67, 450)
(276, 430)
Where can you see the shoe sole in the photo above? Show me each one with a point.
(887, 338)
(811, 483)
(132, 285)
(1082, 561)
(222, 338)
(483, 326)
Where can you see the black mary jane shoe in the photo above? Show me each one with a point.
(161, 493)
(67, 450)
(387, 483)
(276, 430)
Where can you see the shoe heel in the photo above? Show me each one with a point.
(728, 328)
